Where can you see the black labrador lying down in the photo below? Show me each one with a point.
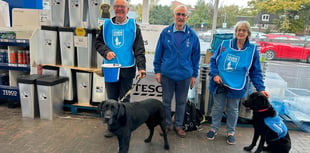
(267, 125)
(123, 118)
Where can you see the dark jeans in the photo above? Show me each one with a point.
(180, 90)
(117, 90)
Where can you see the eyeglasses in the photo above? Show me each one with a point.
(181, 14)
(119, 6)
(243, 30)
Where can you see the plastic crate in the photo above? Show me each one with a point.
(275, 85)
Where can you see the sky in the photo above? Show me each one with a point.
(242, 3)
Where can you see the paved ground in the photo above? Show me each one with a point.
(84, 134)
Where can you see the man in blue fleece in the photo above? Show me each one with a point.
(176, 65)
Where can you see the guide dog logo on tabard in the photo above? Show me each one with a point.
(118, 38)
(231, 62)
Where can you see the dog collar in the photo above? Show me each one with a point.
(262, 110)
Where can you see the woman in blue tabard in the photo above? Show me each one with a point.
(231, 66)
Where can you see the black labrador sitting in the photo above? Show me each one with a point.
(123, 118)
(278, 141)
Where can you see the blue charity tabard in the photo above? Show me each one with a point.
(120, 38)
(234, 65)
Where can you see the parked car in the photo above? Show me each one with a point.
(255, 34)
(306, 38)
(285, 49)
(205, 36)
(224, 30)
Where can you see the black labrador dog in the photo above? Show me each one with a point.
(123, 118)
(277, 142)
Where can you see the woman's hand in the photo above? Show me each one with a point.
(265, 93)
(217, 79)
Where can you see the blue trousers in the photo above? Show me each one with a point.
(232, 111)
(180, 89)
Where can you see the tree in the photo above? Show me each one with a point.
(161, 15)
(139, 8)
(231, 12)
(201, 14)
(289, 10)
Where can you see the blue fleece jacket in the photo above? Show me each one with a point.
(177, 62)
(255, 72)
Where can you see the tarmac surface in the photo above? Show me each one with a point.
(84, 134)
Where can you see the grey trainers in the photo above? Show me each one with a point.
(211, 135)
(108, 134)
(231, 139)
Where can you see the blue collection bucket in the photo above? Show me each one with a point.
(111, 72)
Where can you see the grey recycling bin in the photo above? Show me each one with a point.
(69, 89)
(59, 13)
(76, 14)
(49, 45)
(98, 89)
(50, 70)
(83, 86)
(51, 91)
(28, 95)
(86, 55)
(67, 48)
(93, 13)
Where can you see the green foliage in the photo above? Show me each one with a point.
(162, 15)
(200, 15)
(299, 25)
(203, 14)
(304, 13)
(285, 24)
(231, 12)
(274, 6)
(138, 9)
(289, 10)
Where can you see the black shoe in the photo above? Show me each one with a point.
(211, 135)
(231, 139)
(108, 134)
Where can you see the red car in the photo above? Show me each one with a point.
(284, 47)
